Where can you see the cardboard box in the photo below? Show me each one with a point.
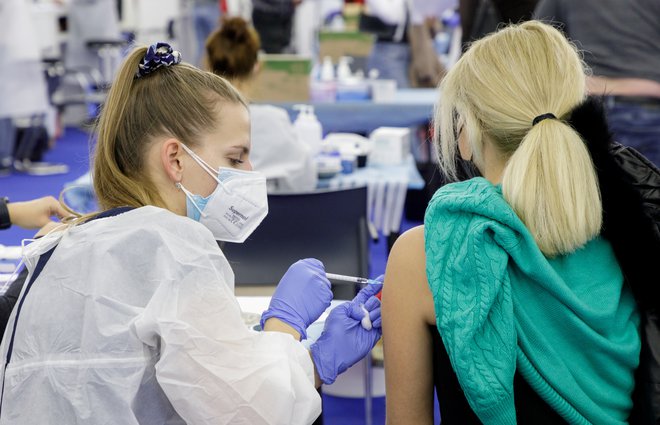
(349, 43)
(282, 78)
(391, 145)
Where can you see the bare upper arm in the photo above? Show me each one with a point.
(406, 270)
(407, 312)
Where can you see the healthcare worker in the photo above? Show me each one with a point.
(22, 82)
(129, 317)
(89, 20)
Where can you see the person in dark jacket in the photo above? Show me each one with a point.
(273, 20)
(480, 17)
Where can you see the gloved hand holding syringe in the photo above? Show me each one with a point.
(366, 320)
(349, 333)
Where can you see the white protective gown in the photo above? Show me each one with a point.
(133, 321)
(286, 161)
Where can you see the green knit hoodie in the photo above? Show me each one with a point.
(568, 324)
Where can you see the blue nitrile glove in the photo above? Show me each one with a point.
(302, 295)
(344, 341)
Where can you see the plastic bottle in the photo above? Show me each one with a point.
(327, 70)
(324, 88)
(308, 128)
(351, 86)
(344, 68)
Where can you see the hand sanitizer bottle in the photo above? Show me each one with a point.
(308, 128)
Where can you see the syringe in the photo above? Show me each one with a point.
(366, 320)
(351, 279)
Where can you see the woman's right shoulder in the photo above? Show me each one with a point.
(412, 236)
(408, 250)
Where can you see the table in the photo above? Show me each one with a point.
(387, 187)
(410, 107)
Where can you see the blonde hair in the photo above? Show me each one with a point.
(180, 101)
(494, 92)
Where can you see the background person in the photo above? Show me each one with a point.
(22, 80)
(273, 20)
(387, 20)
(619, 40)
(481, 17)
(207, 19)
(277, 152)
(33, 214)
(426, 70)
(89, 20)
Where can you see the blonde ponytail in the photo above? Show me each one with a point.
(493, 93)
(551, 184)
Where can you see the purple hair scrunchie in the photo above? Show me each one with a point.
(158, 55)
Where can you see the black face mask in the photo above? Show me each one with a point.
(465, 169)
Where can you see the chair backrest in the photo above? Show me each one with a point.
(328, 225)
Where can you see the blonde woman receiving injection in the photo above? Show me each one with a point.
(509, 300)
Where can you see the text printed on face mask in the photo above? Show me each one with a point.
(235, 217)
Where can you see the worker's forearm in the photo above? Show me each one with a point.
(276, 325)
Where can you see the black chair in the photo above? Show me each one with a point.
(328, 225)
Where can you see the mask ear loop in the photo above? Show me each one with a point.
(212, 172)
(190, 197)
(30, 240)
(23, 244)
(200, 161)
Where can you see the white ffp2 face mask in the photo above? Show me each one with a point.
(235, 208)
